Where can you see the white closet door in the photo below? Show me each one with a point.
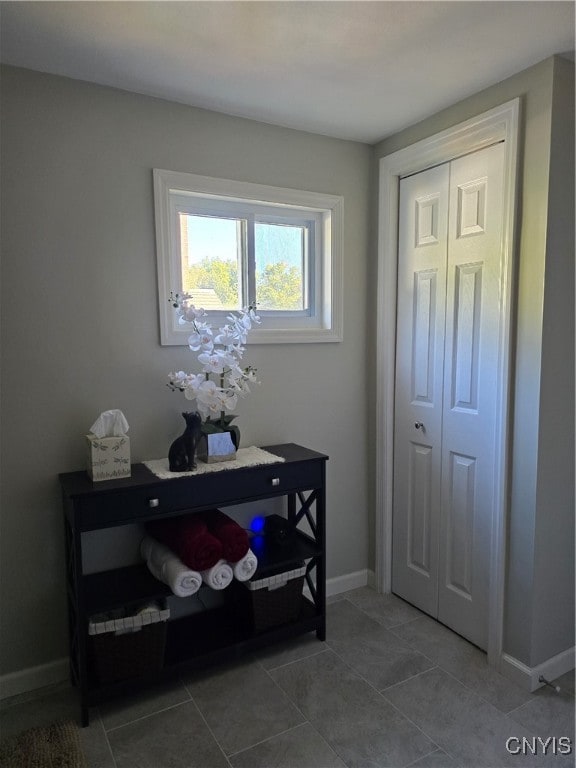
(470, 388)
(419, 374)
(447, 347)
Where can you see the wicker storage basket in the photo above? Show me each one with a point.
(127, 654)
(276, 599)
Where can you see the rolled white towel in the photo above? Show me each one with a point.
(219, 576)
(153, 551)
(155, 555)
(167, 568)
(245, 568)
(181, 580)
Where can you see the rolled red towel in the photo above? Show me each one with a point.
(234, 539)
(189, 538)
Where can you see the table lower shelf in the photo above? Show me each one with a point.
(207, 638)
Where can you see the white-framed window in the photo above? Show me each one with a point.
(230, 244)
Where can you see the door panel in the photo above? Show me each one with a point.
(419, 512)
(465, 358)
(423, 336)
(460, 525)
(469, 418)
(419, 372)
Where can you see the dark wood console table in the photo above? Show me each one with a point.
(217, 635)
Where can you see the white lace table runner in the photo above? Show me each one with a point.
(245, 457)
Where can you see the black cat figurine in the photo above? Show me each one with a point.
(183, 450)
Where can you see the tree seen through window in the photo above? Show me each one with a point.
(212, 263)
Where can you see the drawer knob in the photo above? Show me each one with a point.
(153, 503)
(275, 481)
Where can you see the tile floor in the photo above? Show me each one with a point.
(390, 687)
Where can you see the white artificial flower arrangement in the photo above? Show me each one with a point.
(220, 354)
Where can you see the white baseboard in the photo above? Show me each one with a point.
(16, 683)
(26, 680)
(528, 677)
(339, 584)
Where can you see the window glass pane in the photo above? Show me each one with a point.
(280, 255)
(211, 250)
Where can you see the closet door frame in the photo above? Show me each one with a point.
(498, 124)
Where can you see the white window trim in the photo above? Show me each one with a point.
(324, 326)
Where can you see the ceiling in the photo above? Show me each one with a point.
(354, 70)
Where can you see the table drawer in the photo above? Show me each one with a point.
(120, 507)
(277, 479)
(213, 489)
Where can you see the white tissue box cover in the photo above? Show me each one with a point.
(108, 457)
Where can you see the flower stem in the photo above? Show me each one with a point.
(222, 413)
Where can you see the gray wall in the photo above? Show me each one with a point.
(553, 617)
(545, 250)
(80, 320)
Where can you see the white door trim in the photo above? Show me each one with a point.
(498, 124)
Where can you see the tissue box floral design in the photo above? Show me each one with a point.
(108, 457)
